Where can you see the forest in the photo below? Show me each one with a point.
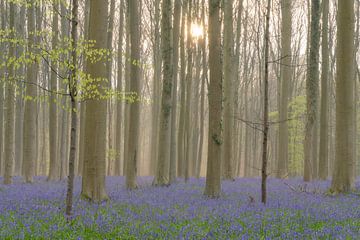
(179, 119)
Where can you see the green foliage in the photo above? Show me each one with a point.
(297, 110)
(35, 48)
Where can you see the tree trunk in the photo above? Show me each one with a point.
(9, 146)
(156, 89)
(181, 132)
(324, 120)
(344, 156)
(163, 161)
(227, 147)
(93, 181)
(266, 108)
(213, 173)
(119, 100)
(2, 88)
(285, 82)
(30, 156)
(189, 78)
(175, 63)
(54, 160)
(73, 111)
(312, 91)
(134, 117)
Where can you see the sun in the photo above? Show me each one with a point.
(197, 31)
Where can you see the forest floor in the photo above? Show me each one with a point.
(295, 210)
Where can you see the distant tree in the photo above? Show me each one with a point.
(188, 133)
(285, 81)
(156, 95)
(119, 105)
(213, 173)
(30, 153)
(344, 144)
(163, 161)
(134, 116)
(312, 92)
(2, 88)
(227, 147)
(175, 63)
(93, 181)
(324, 109)
(182, 79)
(9, 126)
(54, 167)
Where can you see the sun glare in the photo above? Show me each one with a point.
(197, 30)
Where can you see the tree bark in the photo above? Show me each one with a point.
(266, 108)
(285, 82)
(30, 155)
(344, 156)
(54, 160)
(134, 118)
(213, 173)
(163, 162)
(9, 146)
(73, 111)
(119, 100)
(175, 62)
(93, 181)
(228, 118)
(312, 91)
(324, 120)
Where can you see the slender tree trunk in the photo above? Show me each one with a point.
(73, 92)
(134, 117)
(227, 147)
(181, 132)
(2, 88)
(109, 70)
(9, 146)
(30, 156)
(324, 120)
(83, 104)
(213, 184)
(266, 108)
(285, 82)
(64, 114)
(188, 133)
(344, 156)
(163, 161)
(54, 160)
(119, 100)
(175, 62)
(312, 91)
(20, 29)
(156, 88)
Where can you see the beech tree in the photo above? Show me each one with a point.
(344, 156)
(227, 147)
(134, 115)
(312, 93)
(9, 132)
(324, 109)
(285, 81)
(30, 153)
(93, 180)
(213, 173)
(163, 162)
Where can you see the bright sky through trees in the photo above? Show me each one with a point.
(197, 31)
